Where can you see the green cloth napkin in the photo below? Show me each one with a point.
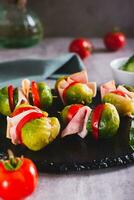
(12, 72)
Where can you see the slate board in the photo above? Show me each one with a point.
(73, 153)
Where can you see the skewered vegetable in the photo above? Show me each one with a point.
(32, 127)
(76, 89)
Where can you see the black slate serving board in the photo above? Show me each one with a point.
(73, 153)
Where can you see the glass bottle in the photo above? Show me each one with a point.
(19, 27)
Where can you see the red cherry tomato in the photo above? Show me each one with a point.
(11, 97)
(81, 46)
(24, 120)
(18, 178)
(114, 41)
(118, 92)
(72, 111)
(35, 94)
(96, 116)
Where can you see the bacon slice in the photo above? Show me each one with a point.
(80, 77)
(78, 123)
(107, 87)
(12, 123)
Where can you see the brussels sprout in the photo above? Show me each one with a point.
(79, 93)
(122, 104)
(131, 89)
(45, 94)
(132, 113)
(38, 133)
(109, 122)
(64, 113)
(15, 96)
(4, 102)
(131, 135)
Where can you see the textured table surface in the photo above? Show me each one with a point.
(108, 184)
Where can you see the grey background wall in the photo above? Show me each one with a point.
(84, 17)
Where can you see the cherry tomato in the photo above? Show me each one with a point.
(96, 116)
(11, 97)
(24, 120)
(114, 41)
(81, 46)
(72, 111)
(118, 92)
(35, 94)
(18, 178)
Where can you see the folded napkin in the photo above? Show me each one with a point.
(12, 72)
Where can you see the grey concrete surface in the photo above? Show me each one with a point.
(108, 184)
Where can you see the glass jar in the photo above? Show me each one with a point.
(19, 27)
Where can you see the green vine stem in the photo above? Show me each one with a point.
(13, 163)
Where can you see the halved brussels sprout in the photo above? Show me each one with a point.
(79, 93)
(4, 102)
(64, 113)
(38, 133)
(108, 124)
(122, 104)
(45, 94)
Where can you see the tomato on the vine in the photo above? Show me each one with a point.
(81, 46)
(18, 178)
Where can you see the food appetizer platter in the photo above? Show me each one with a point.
(73, 127)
